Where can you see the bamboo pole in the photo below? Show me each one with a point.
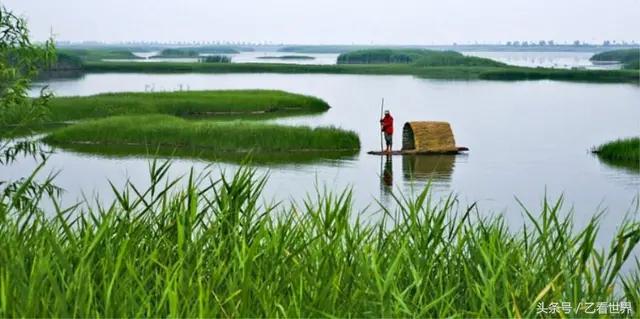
(381, 132)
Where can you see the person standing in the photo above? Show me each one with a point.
(387, 128)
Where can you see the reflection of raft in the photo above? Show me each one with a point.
(435, 167)
(425, 138)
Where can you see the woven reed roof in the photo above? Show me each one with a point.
(428, 136)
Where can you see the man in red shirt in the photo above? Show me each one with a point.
(387, 127)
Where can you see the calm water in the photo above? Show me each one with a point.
(248, 57)
(526, 139)
(560, 60)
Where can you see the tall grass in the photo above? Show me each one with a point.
(629, 57)
(198, 247)
(218, 137)
(97, 54)
(418, 57)
(191, 103)
(621, 152)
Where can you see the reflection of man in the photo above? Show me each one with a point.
(387, 127)
(387, 174)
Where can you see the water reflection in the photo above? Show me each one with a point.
(632, 167)
(437, 168)
(210, 155)
(387, 173)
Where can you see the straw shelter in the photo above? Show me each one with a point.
(428, 137)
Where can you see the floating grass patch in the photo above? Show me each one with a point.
(237, 137)
(207, 247)
(190, 103)
(622, 152)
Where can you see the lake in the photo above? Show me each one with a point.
(526, 139)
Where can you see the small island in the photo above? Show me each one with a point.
(417, 57)
(222, 125)
(629, 58)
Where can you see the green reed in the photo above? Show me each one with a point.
(202, 247)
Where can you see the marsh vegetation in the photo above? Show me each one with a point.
(204, 124)
(186, 104)
(211, 248)
(622, 152)
(94, 55)
(630, 58)
(414, 56)
(464, 72)
(206, 137)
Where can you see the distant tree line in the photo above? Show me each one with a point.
(575, 43)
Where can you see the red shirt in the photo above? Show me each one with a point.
(387, 124)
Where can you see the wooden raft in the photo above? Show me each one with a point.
(426, 138)
(459, 150)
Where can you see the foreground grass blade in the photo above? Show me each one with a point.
(195, 246)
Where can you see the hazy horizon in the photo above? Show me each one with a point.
(332, 21)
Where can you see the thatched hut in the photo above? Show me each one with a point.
(428, 137)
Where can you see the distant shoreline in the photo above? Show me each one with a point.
(510, 73)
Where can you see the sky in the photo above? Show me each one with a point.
(332, 21)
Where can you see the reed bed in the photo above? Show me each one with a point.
(627, 149)
(630, 58)
(419, 57)
(96, 55)
(187, 103)
(624, 153)
(197, 247)
(169, 132)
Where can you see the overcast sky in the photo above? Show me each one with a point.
(332, 21)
